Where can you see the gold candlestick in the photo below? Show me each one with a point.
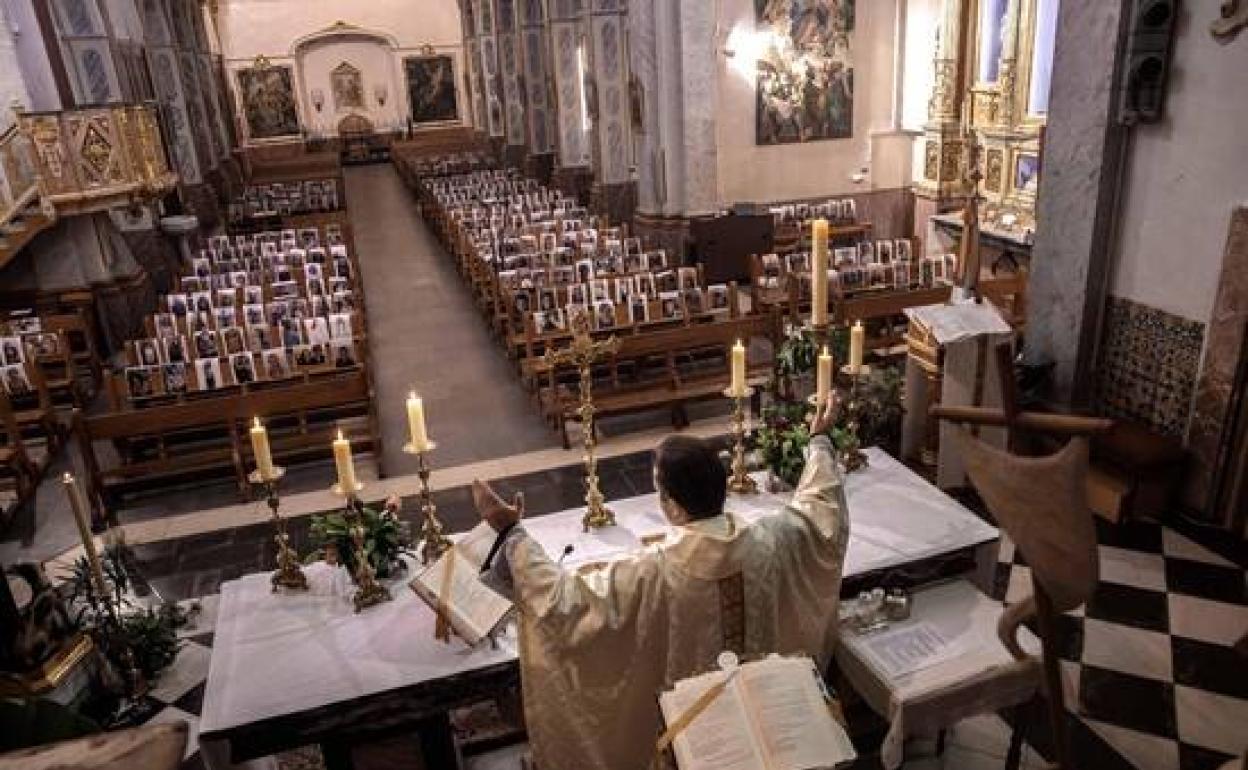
(434, 542)
(852, 455)
(740, 480)
(288, 574)
(582, 353)
(369, 591)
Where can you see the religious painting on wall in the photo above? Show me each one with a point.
(805, 86)
(347, 85)
(268, 101)
(431, 88)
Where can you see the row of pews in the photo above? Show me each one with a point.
(537, 264)
(49, 365)
(269, 325)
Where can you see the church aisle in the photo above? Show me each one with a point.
(426, 334)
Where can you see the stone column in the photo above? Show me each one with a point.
(675, 55)
(615, 191)
(573, 172)
(483, 13)
(515, 132)
(1075, 212)
(542, 125)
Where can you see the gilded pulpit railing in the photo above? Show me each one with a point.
(95, 158)
(19, 187)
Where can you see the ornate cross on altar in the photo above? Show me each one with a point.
(582, 354)
(1041, 503)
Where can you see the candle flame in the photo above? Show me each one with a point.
(340, 438)
(68, 478)
(411, 396)
(825, 350)
(255, 421)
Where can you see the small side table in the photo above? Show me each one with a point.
(975, 675)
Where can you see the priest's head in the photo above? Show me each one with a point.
(690, 479)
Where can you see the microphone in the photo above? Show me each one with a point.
(567, 549)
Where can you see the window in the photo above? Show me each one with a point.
(991, 33)
(1042, 57)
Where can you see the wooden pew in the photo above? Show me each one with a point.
(666, 368)
(168, 443)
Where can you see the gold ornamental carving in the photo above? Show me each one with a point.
(995, 166)
(951, 161)
(931, 161)
(944, 102)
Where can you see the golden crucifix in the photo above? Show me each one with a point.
(582, 354)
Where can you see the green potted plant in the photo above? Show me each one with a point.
(386, 538)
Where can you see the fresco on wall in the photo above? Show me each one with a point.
(431, 88)
(806, 70)
(348, 87)
(268, 101)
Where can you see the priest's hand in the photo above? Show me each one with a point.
(825, 416)
(494, 511)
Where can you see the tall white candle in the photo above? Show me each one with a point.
(738, 369)
(260, 448)
(823, 377)
(84, 531)
(345, 464)
(416, 423)
(819, 272)
(856, 339)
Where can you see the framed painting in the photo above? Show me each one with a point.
(805, 80)
(268, 98)
(431, 88)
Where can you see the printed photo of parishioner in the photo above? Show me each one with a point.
(431, 88)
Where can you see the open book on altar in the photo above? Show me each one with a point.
(772, 715)
(452, 586)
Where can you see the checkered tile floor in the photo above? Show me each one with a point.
(1148, 663)
(1152, 679)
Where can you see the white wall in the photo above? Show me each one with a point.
(1185, 175)
(274, 28)
(378, 66)
(38, 89)
(748, 172)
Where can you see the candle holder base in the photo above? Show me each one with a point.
(740, 481)
(597, 515)
(369, 595)
(289, 573)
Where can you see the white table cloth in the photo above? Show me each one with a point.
(280, 654)
(971, 674)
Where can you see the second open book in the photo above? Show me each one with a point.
(773, 715)
(452, 585)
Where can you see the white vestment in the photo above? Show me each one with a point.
(594, 660)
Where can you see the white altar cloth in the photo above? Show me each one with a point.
(280, 654)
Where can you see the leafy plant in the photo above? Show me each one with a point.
(125, 632)
(782, 439)
(386, 538)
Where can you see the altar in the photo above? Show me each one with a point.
(291, 670)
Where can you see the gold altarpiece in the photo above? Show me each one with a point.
(987, 54)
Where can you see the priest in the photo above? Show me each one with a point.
(595, 657)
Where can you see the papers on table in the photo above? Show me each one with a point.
(905, 649)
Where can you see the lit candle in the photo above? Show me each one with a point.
(819, 272)
(738, 369)
(823, 377)
(260, 448)
(84, 531)
(856, 338)
(416, 423)
(346, 466)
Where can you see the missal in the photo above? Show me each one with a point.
(451, 586)
(769, 714)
